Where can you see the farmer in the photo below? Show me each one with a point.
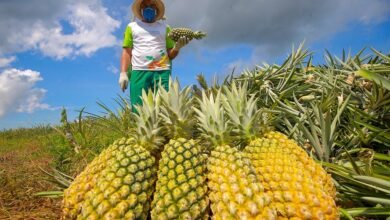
(147, 49)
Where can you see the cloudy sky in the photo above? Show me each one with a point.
(56, 54)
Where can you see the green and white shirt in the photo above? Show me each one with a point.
(149, 43)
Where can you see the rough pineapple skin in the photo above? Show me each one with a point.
(83, 183)
(124, 188)
(181, 189)
(176, 33)
(317, 172)
(235, 191)
(297, 186)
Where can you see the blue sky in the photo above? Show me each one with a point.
(66, 54)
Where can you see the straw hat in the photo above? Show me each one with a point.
(136, 7)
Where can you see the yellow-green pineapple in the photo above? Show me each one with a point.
(74, 195)
(181, 189)
(235, 190)
(123, 187)
(177, 33)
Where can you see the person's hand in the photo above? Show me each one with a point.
(123, 81)
(181, 43)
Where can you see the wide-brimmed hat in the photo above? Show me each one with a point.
(136, 8)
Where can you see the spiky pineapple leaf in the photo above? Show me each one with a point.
(367, 211)
(377, 78)
(383, 184)
(176, 110)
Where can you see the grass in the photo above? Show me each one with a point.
(14, 139)
(22, 153)
(25, 152)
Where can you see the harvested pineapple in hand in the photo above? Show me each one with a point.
(176, 33)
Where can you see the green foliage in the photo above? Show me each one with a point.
(119, 121)
(81, 140)
(327, 107)
(340, 113)
(14, 139)
(362, 179)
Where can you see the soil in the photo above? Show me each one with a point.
(20, 179)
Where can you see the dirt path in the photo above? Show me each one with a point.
(20, 178)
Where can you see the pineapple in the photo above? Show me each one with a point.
(176, 33)
(235, 190)
(181, 190)
(124, 188)
(318, 174)
(299, 187)
(83, 183)
(123, 177)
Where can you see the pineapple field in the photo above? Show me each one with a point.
(294, 141)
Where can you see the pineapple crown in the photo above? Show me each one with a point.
(199, 35)
(149, 131)
(231, 116)
(176, 111)
(212, 120)
(246, 119)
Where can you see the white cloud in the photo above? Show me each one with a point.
(18, 92)
(113, 69)
(4, 61)
(24, 27)
(33, 101)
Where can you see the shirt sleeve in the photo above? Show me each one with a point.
(128, 38)
(170, 42)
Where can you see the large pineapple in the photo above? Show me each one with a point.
(83, 183)
(125, 174)
(318, 174)
(177, 33)
(235, 190)
(85, 198)
(299, 187)
(181, 189)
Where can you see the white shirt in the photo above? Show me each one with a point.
(149, 45)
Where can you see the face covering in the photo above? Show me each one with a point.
(149, 14)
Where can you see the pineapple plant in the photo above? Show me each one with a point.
(235, 190)
(299, 187)
(177, 33)
(181, 190)
(123, 175)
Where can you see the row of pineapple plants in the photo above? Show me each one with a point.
(198, 157)
(352, 93)
(333, 112)
(340, 113)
